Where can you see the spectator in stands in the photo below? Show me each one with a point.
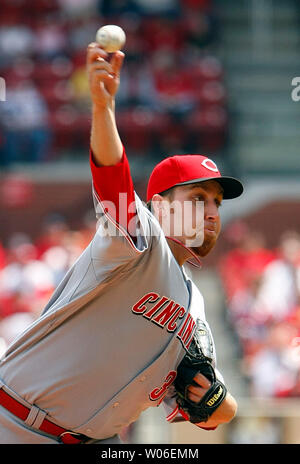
(12, 325)
(137, 86)
(80, 32)
(50, 38)
(173, 84)
(2, 256)
(24, 119)
(135, 41)
(273, 370)
(79, 87)
(167, 8)
(13, 302)
(61, 28)
(116, 8)
(246, 257)
(201, 28)
(163, 34)
(21, 251)
(22, 276)
(279, 292)
(263, 289)
(53, 232)
(30, 271)
(241, 271)
(78, 8)
(15, 41)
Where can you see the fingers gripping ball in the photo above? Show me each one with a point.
(199, 359)
(111, 38)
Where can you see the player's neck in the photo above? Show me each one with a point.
(181, 252)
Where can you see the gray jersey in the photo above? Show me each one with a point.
(108, 343)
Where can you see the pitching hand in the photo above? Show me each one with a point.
(103, 74)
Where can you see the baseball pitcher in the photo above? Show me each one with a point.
(125, 330)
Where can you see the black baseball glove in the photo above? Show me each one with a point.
(199, 358)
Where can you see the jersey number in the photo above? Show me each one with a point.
(159, 393)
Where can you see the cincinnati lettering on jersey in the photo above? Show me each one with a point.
(166, 313)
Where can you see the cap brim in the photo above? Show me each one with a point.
(232, 187)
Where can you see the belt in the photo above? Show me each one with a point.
(22, 412)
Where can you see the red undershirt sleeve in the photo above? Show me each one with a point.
(114, 187)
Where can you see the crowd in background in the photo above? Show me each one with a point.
(262, 289)
(30, 270)
(171, 74)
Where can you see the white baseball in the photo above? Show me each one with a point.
(111, 38)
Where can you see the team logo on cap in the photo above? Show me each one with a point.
(209, 164)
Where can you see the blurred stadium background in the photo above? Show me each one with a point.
(206, 76)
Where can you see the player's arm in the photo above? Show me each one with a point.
(109, 164)
(104, 79)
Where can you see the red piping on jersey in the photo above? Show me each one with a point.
(199, 263)
(173, 414)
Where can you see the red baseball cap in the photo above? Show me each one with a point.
(188, 169)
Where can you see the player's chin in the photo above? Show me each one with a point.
(207, 245)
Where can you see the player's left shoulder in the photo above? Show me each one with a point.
(197, 305)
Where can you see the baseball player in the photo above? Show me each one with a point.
(125, 330)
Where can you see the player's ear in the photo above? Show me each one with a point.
(159, 206)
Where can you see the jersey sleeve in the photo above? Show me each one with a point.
(125, 227)
(114, 188)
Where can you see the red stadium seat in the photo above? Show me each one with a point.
(140, 128)
(56, 69)
(208, 127)
(61, 123)
(9, 17)
(198, 4)
(71, 128)
(56, 93)
(210, 93)
(208, 68)
(40, 7)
